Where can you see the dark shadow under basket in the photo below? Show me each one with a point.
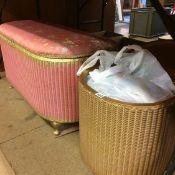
(118, 138)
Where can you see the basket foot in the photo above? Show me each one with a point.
(56, 127)
(11, 87)
(56, 132)
(61, 129)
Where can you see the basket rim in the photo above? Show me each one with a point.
(111, 100)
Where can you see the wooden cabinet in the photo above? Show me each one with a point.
(163, 2)
(60, 12)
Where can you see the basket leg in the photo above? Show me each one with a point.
(61, 129)
(56, 126)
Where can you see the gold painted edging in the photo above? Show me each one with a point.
(47, 58)
(50, 119)
(128, 105)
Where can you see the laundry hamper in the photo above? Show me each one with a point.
(41, 62)
(118, 138)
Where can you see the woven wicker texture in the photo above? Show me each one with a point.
(125, 139)
(41, 62)
(49, 87)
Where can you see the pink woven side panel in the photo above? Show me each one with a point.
(50, 88)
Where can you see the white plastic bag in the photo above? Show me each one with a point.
(135, 77)
(100, 55)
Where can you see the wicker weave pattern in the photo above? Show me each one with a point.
(49, 87)
(123, 139)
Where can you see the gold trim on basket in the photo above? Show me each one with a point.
(53, 120)
(82, 81)
(46, 58)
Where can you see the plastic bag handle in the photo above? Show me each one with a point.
(91, 61)
(124, 49)
(111, 71)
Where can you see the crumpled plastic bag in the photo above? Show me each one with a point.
(135, 77)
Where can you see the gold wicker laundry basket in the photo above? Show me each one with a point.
(119, 138)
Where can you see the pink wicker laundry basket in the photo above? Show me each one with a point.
(41, 62)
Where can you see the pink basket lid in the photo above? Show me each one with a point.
(53, 41)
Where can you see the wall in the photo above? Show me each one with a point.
(60, 12)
